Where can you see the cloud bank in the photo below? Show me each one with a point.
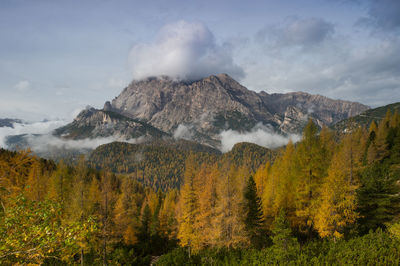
(43, 127)
(261, 135)
(45, 143)
(183, 50)
(183, 132)
(38, 136)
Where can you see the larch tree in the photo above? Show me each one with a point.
(338, 208)
(189, 205)
(207, 203)
(310, 172)
(261, 177)
(36, 184)
(285, 187)
(167, 219)
(60, 183)
(127, 210)
(230, 213)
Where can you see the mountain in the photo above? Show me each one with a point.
(94, 123)
(200, 110)
(9, 122)
(366, 117)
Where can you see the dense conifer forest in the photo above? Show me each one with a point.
(331, 198)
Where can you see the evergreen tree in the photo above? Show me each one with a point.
(378, 197)
(144, 235)
(284, 244)
(254, 217)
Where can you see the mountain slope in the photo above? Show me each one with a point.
(93, 123)
(366, 117)
(161, 164)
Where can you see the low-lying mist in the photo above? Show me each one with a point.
(261, 135)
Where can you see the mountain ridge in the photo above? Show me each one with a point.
(200, 110)
(219, 102)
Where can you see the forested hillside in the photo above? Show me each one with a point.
(323, 200)
(161, 164)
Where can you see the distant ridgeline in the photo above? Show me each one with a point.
(365, 118)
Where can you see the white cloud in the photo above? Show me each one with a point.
(185, 51)
(183, 132)
(48, 142)
(23, 85)
(39, 137)
(43, 127)
(260, 134)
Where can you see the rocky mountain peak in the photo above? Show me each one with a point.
(202, 109)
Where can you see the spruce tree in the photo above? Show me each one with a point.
(285, 245)
(254, 217)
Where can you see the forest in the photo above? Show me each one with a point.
(331, 198)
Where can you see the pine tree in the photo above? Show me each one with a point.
(377, 197)
(254, 217)
(284, 244)
(144, 235)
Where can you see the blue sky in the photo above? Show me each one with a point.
(56, 57)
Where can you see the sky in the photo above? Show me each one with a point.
(57, 57)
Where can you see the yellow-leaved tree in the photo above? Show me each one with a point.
(338, 205)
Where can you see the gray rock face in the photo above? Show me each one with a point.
(93, 123)
(202, 109)
(219, 102)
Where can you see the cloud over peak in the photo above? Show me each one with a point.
(185, 51)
